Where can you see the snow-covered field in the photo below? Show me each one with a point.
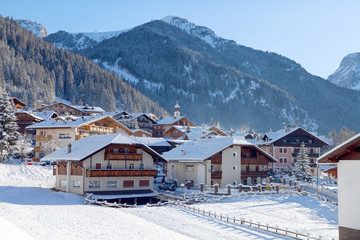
(30, 210)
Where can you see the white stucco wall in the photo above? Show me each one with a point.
(231, 166)
(349, 193)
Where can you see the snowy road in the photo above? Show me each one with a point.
(28, 211)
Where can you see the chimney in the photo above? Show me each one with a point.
(182, 152)
(69, 148)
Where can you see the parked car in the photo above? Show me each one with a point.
(167, 186)
(29, 162)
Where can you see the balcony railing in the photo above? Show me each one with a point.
(123, 156)
(309, 154)
(120, 173)
(254, 173)
(216, 175)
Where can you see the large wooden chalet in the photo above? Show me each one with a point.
(285, 145)
(64, 130)
(63, 109)
(113, 166)
(221, 160)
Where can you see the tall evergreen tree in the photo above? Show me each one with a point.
(302, 168)
(8, 127)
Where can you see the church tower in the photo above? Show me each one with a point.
(177, 110)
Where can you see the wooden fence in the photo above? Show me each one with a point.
(267, 228)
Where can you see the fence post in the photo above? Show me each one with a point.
(216, 186)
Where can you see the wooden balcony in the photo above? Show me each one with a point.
(216, 175)
(123, 156)
(120, 173)
(253, 160)
(262, 174)
(42, 137)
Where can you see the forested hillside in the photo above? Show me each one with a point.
(217, 79)
(34, 69)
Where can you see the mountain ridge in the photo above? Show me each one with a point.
(262, 90)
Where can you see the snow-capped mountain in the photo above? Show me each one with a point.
(216, 79)
(77, 41)
(36, 28)
(201, 32)
(348, 74)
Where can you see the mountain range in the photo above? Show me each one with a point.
(216, 79)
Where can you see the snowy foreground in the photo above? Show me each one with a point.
(30, 210)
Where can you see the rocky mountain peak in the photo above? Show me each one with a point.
(36, 28)
(348, 74)
(201, 32)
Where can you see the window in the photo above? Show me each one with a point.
(131, 166)
(76, 184)
(285, 150)
(109, 166)
(283, 160)
(94, 184)
(310, 141)
(189, 168)
(141, 167)
(311, 150)
(235, 168)
(234, 154)
(284, 140)
(42, 132)
(126, 150)
(115, 150)
(128, 183)
(111, 184)
(98, 166)
(63, 183)
(144, 183)
(280, 150)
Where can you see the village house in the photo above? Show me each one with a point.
(25, 119)
(17, 103)
(221, 160)
(347, 158)
(61, 131)
(63, 109)
(165, 123)
(190, 133)
(114, 166)
(285, 145)
(142, 121)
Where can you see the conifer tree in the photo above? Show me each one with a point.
(302, 168)
(8, 127)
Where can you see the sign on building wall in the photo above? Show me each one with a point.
(64, 136)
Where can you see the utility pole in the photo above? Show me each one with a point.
(317, 180)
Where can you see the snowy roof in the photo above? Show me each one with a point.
(85, 147)
(153, 142)
(149, 115)
(195, 132)
(338, 149)
(29, 113)
(45, 115)
(80, 108)
(274, 136)
(199, 150)
(53, 123)
(171, 120)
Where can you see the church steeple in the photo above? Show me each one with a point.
(177, 110)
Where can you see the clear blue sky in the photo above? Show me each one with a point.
(315, 33)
